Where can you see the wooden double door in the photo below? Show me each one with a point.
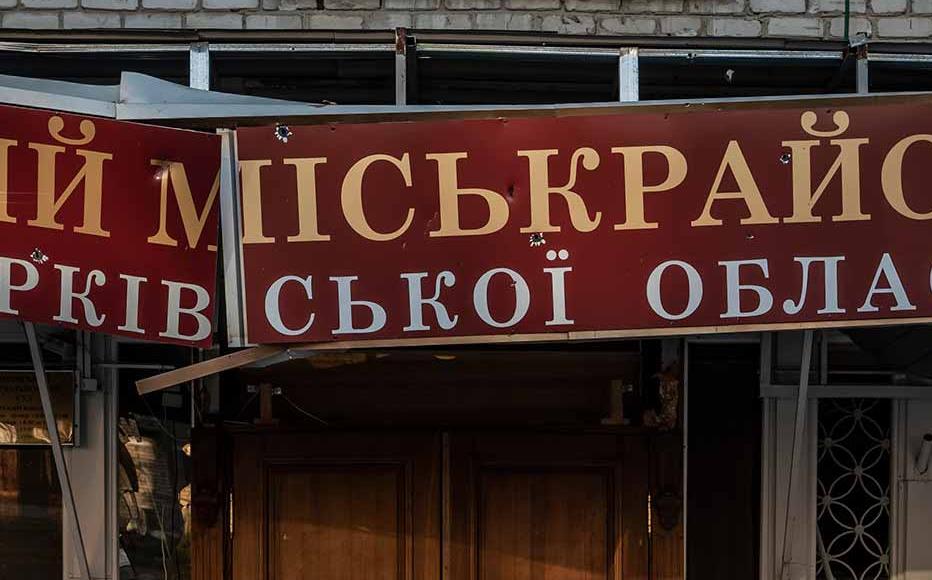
(432, 506)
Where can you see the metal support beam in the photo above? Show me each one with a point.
(628, 75)
(799, 434)
(231, 232)
(401, 67)
(862, 69)
(199, 66)
(57, 453)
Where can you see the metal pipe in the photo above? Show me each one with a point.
(847, 20)
(55, 441)
(303, 47)
(799, 433)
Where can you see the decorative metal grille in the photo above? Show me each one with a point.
(853, 527)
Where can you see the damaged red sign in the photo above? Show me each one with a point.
(108, 226)
(594, 223)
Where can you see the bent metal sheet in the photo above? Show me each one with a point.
(108, 226)
(591, 223)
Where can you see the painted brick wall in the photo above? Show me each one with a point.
(812, 19)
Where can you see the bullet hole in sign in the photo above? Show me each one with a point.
(38, 256)
(282, 133)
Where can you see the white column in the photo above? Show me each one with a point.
(92, 466)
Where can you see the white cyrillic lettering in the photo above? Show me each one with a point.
(830, 266)
(416, 301)
(558, 295)
(480, 297)
(273, 313)
(733, 288)
(655, 296)
(68, 296)
(174, 311)
(894, 287)
(6, 282)
(132, 304)
(346, 304)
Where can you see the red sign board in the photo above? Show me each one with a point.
(589, 224)
(108, 226)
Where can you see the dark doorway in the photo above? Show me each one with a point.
(723, 493)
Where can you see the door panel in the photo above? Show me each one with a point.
(337, 523)
(336, 506)
(544, 506)
(544, 525)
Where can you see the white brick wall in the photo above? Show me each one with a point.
(907, 20)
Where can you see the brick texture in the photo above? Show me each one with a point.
(887, 20)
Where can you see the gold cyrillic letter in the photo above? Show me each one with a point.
(91, 173)
(351, 196)
(193, 222)
(5, 145)
(747, 191)
(538, 166)
(634, 182)
(306, 169)
(251, 184)
(848, 160)
(891, 178)
(450, 192)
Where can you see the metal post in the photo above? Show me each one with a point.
(230, 235)
(199, 66)
(111, 350)
(628, 75)
(57, 453)
(799, 432)
(685, 344)
(401, 67)
(862, 67)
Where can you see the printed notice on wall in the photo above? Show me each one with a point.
(21, 419)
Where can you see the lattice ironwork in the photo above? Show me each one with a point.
(854, 489)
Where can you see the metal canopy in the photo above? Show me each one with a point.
(59, 95)
(140, 97)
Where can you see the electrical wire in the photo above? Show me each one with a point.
(245, 405)
(302, 411)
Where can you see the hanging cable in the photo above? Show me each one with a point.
(302, 411)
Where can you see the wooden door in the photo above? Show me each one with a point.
(466, 506)
(336, 507)
(540, 506)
